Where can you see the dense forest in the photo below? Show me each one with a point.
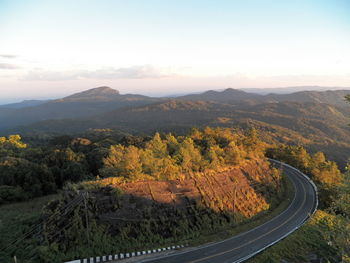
(102, 158)
(32, 171)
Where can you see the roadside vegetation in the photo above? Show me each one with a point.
(323, 172)
(325, 237)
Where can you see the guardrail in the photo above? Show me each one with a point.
(297, 227)
(121, 256)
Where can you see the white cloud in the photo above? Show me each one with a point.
(7, 56)
(8, 66)
(134, 72)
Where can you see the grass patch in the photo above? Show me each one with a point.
(301, 245)
(17, 218)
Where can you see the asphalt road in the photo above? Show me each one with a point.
(247, 244)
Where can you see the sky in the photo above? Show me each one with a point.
(53, 48)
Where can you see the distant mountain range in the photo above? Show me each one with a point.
(87, 103)
(287, 90)
(104, 102)
(317, 119)
(333, 97)
(23, 104)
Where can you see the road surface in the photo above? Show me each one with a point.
(247, 244)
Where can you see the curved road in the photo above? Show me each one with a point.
(247, 244)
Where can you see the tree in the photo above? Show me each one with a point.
(188, 156)
(233, 154)
(172, 144)
(11, 146)
(319, 157)
(216, 157)
(125, 161)
(157, 146)
(34, 179)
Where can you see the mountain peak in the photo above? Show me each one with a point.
(231, 90)
(104, 89)
(99, 92)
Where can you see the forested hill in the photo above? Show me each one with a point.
(333, 97)
(314, 125)
(228, 95)
(82, 104)
(23, 104)
(104, 99)
(317, 119)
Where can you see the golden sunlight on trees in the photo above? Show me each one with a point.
(189, 156)
(12, 141)
(124, 161)
(170, 157)
(325, 173)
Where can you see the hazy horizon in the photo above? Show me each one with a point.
(263, 91)
(50, 49)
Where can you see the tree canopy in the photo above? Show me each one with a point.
(169, 157)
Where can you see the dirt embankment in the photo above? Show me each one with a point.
(243, 191)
